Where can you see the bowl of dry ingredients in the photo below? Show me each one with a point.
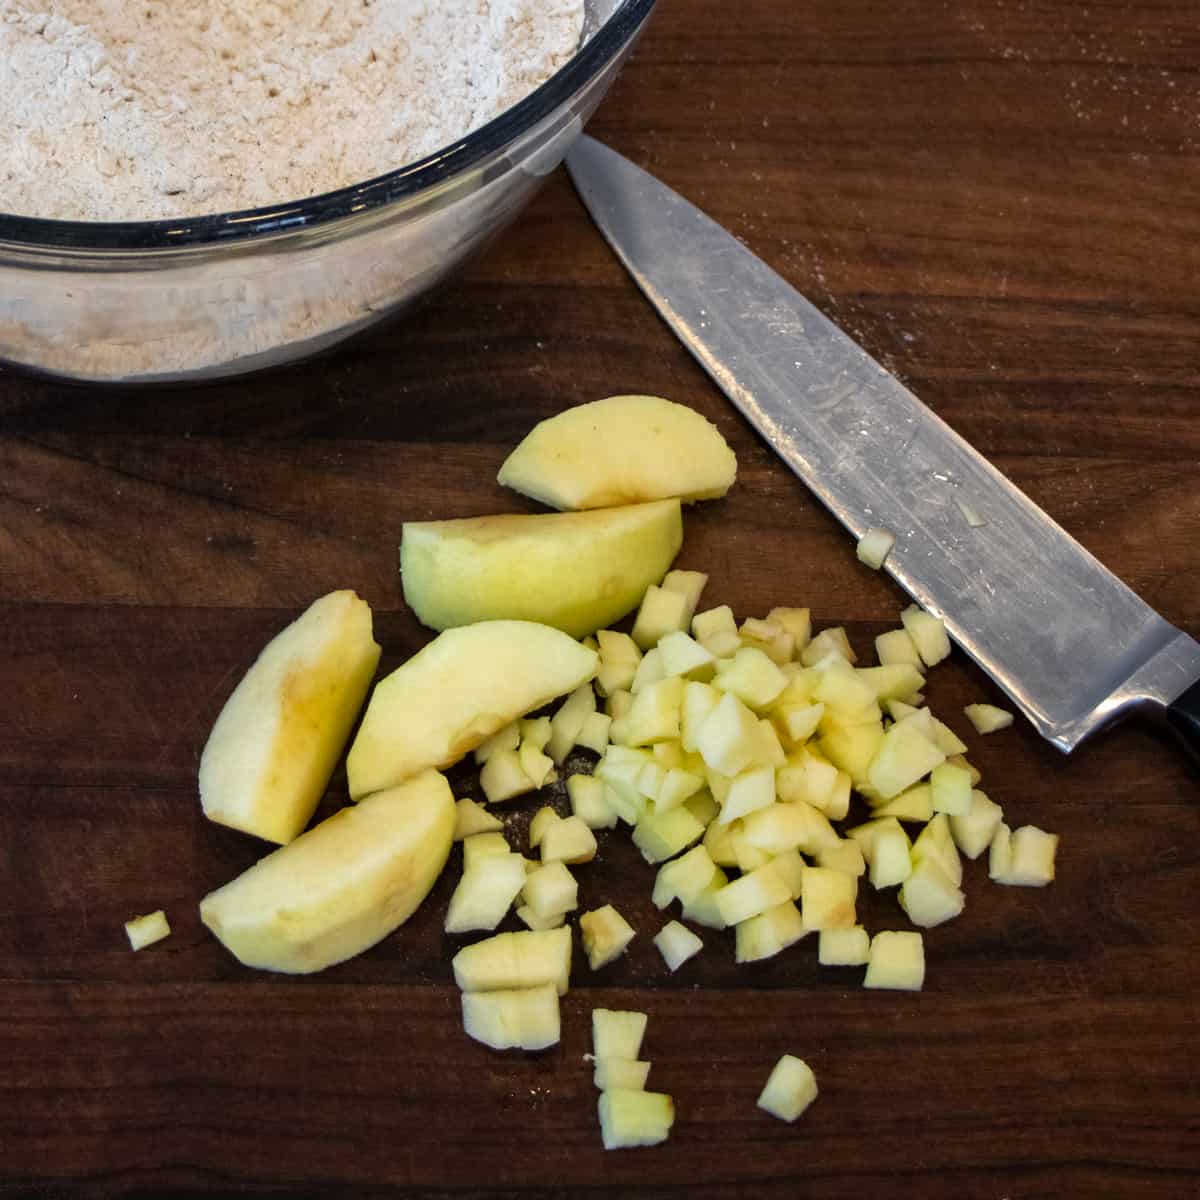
(200, 191)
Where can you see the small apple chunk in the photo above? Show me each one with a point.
(485, 893)
(768, 933)
(929, 896)
(612, 1073)
(635, 1118)
(460, 689)
(340, 887)
(617, 1033)
(928, 634)
(904, 756)
(987, 718)
(153, 927)
(516, 960)
(752, 894)
(575, 571)
(827, 899)
(274, 745)
(844, 947)
(974, 829)
(605, 935)
(791, 1088)
(550, 891)
(569, 841)
(471, 818)
(677, 943)
(1024, 857)
(589, 803)
(520, 1019)
(896, 961)
(874, 546)
(621, 450)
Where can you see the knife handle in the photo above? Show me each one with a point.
(1183, 715)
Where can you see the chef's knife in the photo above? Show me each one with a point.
(1071, 645)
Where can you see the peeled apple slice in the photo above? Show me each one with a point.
(456, 692)
(274, 745)
(342, 886)
(575, 571)
(622, 450)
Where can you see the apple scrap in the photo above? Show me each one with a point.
(790, 1089)
(145, 931)
(629, 1115)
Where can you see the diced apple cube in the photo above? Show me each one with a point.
(797, 622)
(683, 655)
(898, 710)
(631, 1118)
(728, 738)
(649, 672)
(827, 899)
(617, 647)
(542, 820)
(748, 791)
(778, 828)
(798, 722)
(791, 1088)
(874, 546)
(702, 908)
(617, 1033)
(146, 930)
(703, 807)
(903, 757)
(845, 856)
(928, 634)
(699, 700)
(677, 943)
(892, 682)
(758, 630)
(536, 731)
(567, 723)
(1023, 858)
(588, 802)
(508, 737)
(503, 777)
(936, 842)
(751, 894)
(690, 585)
(890, 857)
(843, 947)
(959, 761)
(987, 718)
(480, 845)
(790, 867)
(629, 1073)
(713, 621)
(654, 716)
(929, 896)
(897, 960)
(722, 645)
(605, 934)
(485, 892)
(766, 934)
(569, 841)
(662, 611)
(718, 841)
(896, 648)
(913, 804)
(532, 921)
(650, 780)
(614, 678)
(749, 857)
(662, 835)
(950, 790)
(593, 734)
(550, 890)
(471, 818)
(618, 705)
(852, 748)
(516, 960)
(946, 740)
(827, 642)
(525, 1019)
(684, 878)
(973, 830)
(677, 787)
(752, 677)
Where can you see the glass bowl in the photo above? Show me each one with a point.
(226, 294)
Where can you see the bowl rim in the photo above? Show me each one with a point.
(355, 199)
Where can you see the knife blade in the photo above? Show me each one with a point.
(1071, 645)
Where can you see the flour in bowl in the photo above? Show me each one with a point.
(123, 110)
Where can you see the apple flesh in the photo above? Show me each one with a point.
(153, 927)
(520, 1019)
(459, 690)
(274, 745)
(621, 450)
(575, 571)
(516, 960)
(340, 887)
(791, 1088)
(635, 1118)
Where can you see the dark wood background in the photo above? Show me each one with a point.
(1002, 202)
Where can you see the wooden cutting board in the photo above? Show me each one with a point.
(1002, 202)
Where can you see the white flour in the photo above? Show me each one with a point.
(141, 109)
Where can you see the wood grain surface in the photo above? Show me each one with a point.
(1001, 200)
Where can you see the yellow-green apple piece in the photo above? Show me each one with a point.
(752, 894)
(905, 755)
(621, 450)
(459, 690)
(507, 738)
(605, 935)
(539, 823)
(929, 896)
(471, 818)
(987, 718)
(617, 1033)
(274, 745)
(516, 960)
(897, 647)
(575, 571)
(519, 1019)
(532, 921)
(690, 584)
(928, 634)
(829, 641)
(662, 835)
(828, 898)
(844, 855)
(702, 908)
(594, 735)
(634, 1118)
(608, 1074)
(752, 677)
(973, 831)
(551, 890)
(340, 887)
(843, 947)
(589, 802)
(677, 943)
(503, 778)
(568, 841)
(935, 841)
(485, 893)
(479, 846)
(790, 1089)
(896, 960)
(950, 789)
(146, 930)
(767, 933)
(1023, 857)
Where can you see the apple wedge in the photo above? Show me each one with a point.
(340, 887)
(621, 450)
(456, 692)
(575, 571)
(274, 745)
